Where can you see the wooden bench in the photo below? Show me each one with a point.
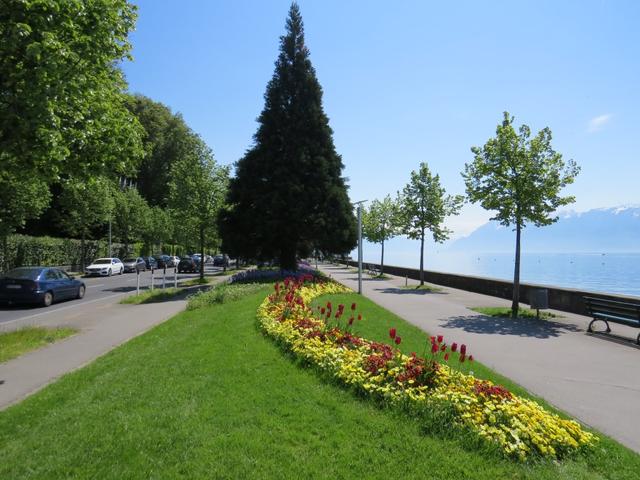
(614, 311)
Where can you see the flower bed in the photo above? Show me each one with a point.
(521, 427)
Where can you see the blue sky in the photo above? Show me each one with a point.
(412, 81)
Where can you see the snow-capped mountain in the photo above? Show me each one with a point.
(614, 229)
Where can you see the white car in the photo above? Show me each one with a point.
(105, 266)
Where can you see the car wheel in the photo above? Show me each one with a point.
(81, 290)
(109, 273)
(121, 270)
(47, 300)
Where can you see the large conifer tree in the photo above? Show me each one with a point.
(288, 197)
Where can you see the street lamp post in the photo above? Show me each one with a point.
(359, 204)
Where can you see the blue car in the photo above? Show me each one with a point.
(41, 285)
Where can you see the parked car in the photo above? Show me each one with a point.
(163, 261)
(134, 264)
(221, 260)
(150, 262)
(188, 264)
(105, 266)
(41, 285)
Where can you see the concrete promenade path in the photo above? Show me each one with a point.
(594, 378)
(102, 326)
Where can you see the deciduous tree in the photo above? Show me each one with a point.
(519, 177)
(424, 207)
(381, 222)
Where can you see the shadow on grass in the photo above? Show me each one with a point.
(521, 327)
(412, 291)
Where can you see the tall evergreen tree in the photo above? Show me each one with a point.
(289, 196)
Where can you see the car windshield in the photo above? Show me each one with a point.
(102, 261)
(130, 260)
(24, 273)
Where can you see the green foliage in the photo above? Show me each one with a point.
(131, 215)
(425, 206)
(166, 134)
(86, 204)
(222, 293)
(381, 222)
(61, 103)
(289, 197)
(14, 344)
(519, 178)
(24, 250)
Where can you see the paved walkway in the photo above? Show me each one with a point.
(594, 378)
(102, 326)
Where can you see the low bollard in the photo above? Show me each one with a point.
(137, 281)
(152, 278)
(175, 277)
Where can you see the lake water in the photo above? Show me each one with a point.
(601, 272)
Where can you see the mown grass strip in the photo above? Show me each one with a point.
(205, 395)
(151, 296)
(505, 312)
(19, 342)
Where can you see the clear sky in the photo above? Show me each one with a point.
(412, 81)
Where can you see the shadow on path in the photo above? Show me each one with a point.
(507, 326)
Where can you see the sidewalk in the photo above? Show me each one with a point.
(102, 327)
(591, 377)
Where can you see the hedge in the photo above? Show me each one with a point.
(23, 250)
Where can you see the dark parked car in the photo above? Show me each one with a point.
(221, 261)
(134, 264)
(188, 264)
(42, 285)
(163, 261)
(150, 262)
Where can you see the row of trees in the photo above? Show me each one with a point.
(517, 176)
(77, 151)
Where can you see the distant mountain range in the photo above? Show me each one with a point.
(600, 230)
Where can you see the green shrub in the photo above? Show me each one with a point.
(222, 293)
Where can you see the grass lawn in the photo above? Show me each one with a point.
(206, 395)
(196, 281)
(151, 296)
(505, 312)
(422, 288)
(14, 344)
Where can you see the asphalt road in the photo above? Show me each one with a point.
(99, 290)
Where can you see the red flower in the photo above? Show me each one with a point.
(351, 321)
(329, 305)
(471, 358)
(434, 348)
(463, 349)
(440, 338)
(322, 310)
(433, 339)
(359, 317)
(392, 332)
(462, 358)
(446, 357)
(454, 347)
(398, 340)
(353, 306)
(443, 348)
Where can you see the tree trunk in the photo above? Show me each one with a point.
(5, 254)
(382, 260)
(422, 258)
(516, 276)
(202, 252)
(288, 258)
